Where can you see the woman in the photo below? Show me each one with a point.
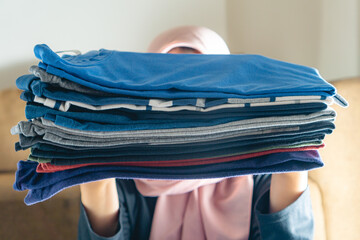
(245, 207)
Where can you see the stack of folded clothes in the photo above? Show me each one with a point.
(106, 114)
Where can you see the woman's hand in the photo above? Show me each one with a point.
(101, 203)
(286, 188)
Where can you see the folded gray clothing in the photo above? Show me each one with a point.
(231, 131)
(62, 137)
(76, 140)
(36, 127)
(50, 137)
(304, 131)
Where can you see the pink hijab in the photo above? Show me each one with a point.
(202, 39)
(204, 208)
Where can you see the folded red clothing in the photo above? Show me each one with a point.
(48, 167)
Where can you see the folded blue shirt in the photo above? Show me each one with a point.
(32, 87)
(184, 75)
(125, 121)
(91, 122)
(43, 186)
(243, 112)
(31, 83)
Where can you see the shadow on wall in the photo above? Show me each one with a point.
(9, 73)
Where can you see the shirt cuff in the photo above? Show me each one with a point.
(86, 231)
(293, 222)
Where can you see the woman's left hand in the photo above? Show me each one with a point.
(286, 188)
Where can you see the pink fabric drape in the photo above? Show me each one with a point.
(200, 209)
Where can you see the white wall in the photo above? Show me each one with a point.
(339, 49)
(282, 29)
(127, 25)
(319, 33)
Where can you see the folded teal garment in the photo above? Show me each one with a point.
(160, 157)
(63, 153)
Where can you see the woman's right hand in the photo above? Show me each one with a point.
(101, 203)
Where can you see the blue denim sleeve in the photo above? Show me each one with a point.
(293, 222)
(85, 232)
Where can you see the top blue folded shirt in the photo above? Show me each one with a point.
(185, 75)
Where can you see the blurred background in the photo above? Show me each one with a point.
(318, 33)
